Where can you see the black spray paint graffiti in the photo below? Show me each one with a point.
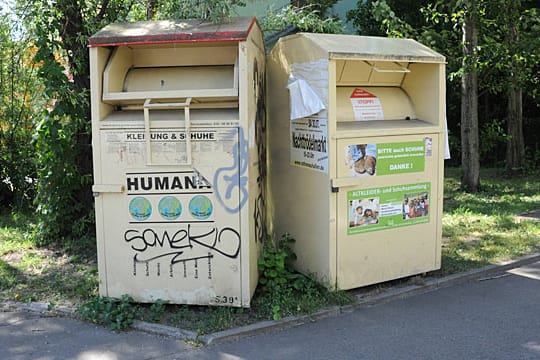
(259, 214)
(180, 247)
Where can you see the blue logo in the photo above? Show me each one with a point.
(170, 208)
(140, 208)
(201, 207)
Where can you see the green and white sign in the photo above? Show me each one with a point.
(400, 158)
(387, 158)
(388, 207)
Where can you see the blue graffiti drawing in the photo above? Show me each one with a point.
(234, 176)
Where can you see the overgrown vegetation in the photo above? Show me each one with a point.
(21, 101)
(283, 292)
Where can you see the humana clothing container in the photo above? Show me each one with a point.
(178, 123)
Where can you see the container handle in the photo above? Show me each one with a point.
(398, 69)
(171, 106)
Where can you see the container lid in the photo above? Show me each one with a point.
(173, 31)
(355, 47)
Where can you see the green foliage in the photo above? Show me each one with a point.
(284, 292)
(395, 18)
(62, 133)
(273, 270)
(63, 209)
(213, 10)
(493, 143)
(306, 19)
(391, 24)
(117, 314)
(157, 309)
(20, 97)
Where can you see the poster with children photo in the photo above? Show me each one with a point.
(415, 205)
(361, 159)
(363, 212)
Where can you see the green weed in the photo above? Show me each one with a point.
(283, 292)
(117, 314)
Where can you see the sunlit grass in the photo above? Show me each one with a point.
(31, 273)
(484, 228)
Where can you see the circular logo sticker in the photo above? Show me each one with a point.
(140, 208)
(170, 208)
(200, 207)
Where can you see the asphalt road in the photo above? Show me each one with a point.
(493, 318)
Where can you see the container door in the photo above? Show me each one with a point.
(388, 205)
(173, 233)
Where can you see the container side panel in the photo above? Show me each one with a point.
(256, 125)
(299, 195)
(98, 61)
(423, 85)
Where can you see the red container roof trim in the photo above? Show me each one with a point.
(177, 31)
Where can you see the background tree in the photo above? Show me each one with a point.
(510, 56)
(470, 149)
(20, 100)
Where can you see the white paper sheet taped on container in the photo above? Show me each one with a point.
(304, 100)
(366, 106)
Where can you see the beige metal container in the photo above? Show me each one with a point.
(178, 125)
(358, 180)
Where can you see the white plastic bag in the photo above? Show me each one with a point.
(304, 100)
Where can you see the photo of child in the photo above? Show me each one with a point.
(363, 212)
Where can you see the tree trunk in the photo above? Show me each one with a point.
(470, 154)
(150, 9)
(515, 147)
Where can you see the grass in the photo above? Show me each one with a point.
(30, 273)
(478, 229)
(482, 228)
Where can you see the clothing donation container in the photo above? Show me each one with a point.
(356, 155)
(178, 123)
